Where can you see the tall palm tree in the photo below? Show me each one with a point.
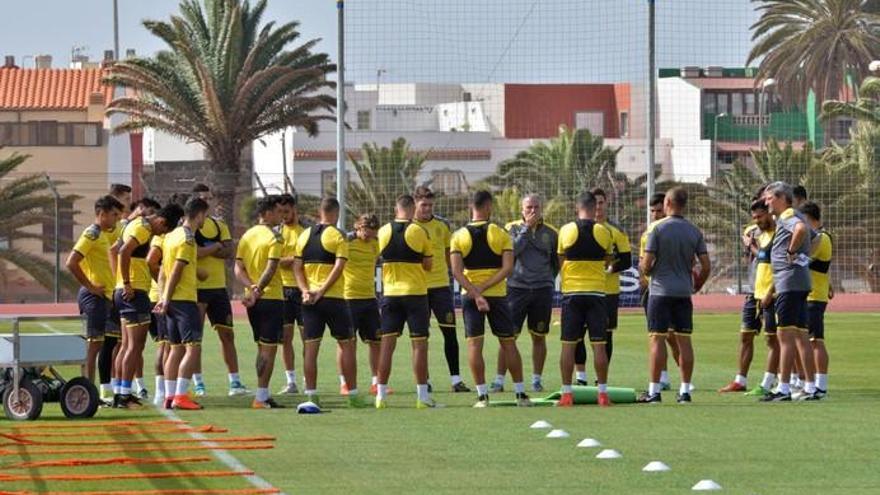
(866, 108)
(814, 45)
(855, 221)
(562, 166)
(383, 174)
(831, 178)
(224, 81)
(24, 201)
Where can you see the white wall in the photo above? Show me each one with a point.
(491, 96)
(679, 111)
(162, 147)
(680, 115)
(462, 117)
(268, 161)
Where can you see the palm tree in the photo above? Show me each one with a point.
(224, 81)
(831, 178)
(814, 45)
(562, 167)
(24, 201)
(507, 206)
(383, 174)
(855, 221)
(866, 108)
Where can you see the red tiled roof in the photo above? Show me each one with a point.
(50, 89)
(441, 155)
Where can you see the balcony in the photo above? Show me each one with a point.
(782, 126)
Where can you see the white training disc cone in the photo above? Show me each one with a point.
(558, 434)
(537, 425)
(608, 454)
(655, 467)
(706, 486)
(589, 442)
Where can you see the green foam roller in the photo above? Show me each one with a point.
(590, 395)
(512, 403)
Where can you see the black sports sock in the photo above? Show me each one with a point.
(580, 353)
(609, 345)
(450, 348)
(105, 359)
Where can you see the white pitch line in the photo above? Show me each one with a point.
(223, 456)
(50, 328)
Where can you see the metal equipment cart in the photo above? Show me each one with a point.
(28, 374)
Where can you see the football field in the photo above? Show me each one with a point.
(745, 446)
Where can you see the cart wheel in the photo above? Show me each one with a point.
(79, 398)
(30, 402)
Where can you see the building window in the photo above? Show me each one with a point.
(709, 103)
(750, 108)
(85, 135)
(50, 133)
(448, 181)
(47, 133)
(6, 133)
(624, 124)
(363, 123)
(736, 103)
(841, 129)
(723, 103)
(328, 181)
(591, 121)
(65, 225)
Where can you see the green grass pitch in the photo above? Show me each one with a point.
(747, 447)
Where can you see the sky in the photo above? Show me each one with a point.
(430, 40)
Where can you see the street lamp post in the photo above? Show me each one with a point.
(715, 147)
(764, 85)
(57, 274)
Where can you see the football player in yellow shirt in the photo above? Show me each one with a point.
(585, 248)
(157, 326)
(215, 246)
(752, 314)
(764, 293)
(291, 228)
(440, 299)
(321, 254)
(406, 258)
(132, 291)
(112, 353)
(481, 254)
(821, 292)
(360, 293)
(178, 304)
(621, 261)
(89, 263)
(256, 267)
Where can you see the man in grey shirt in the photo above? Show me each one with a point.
(789, 258)
(673, 245)
(530, 286)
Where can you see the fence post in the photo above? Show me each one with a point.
(340, 113)
(652, 104)
(57, 278)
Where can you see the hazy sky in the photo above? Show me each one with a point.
(431, 40)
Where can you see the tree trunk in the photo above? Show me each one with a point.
(226, 171)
